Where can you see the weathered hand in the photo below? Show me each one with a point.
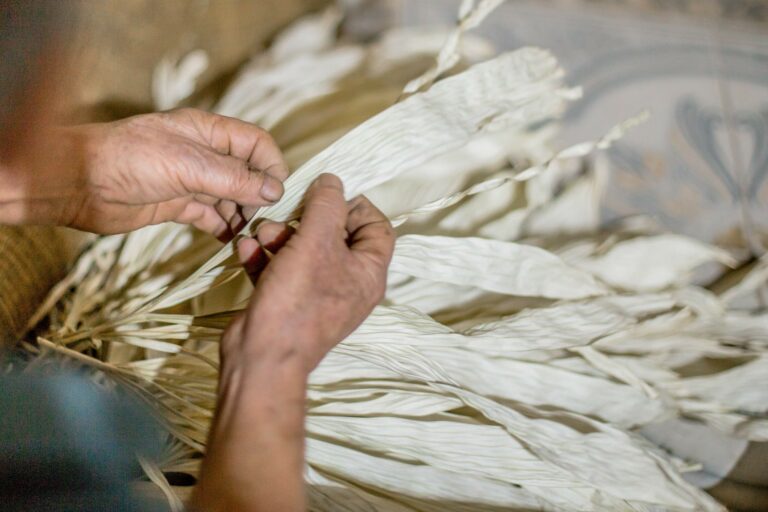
(185, 166)
(322, 282)
(319, 286)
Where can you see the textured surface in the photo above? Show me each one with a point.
(33, 259)
(413, 368)
(122, 40)
(700, 164)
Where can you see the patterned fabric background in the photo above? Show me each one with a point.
(752, 10)
(700, 165)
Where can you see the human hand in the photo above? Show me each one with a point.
(185, 166)
(321, 283)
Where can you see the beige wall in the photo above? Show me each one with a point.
(120, 41)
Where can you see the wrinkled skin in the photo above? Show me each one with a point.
(324, 279)
(312, 286)
(185, 166)
(321, 283)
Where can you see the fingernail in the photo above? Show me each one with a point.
(329, 180)
(271, 189)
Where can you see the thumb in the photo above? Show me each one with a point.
(252, 257)
(229, 178)
(325, 209)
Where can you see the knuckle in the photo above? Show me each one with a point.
(325, 198)
(186, 111)
(364, 202)
(360, 208)
(265, 136)
(167, 116)
(241, 174)
(380, 291)
(363, 207)
(386, 233)
(391, 242)
(222, 175)
(180, 113)
(375, 293)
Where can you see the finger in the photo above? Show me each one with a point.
(325, 210)
(252, 257)
(229, 178)
(249, 211)
(370, 231)
(205, 218)
(206, 199)
(237, 222)
(274, 235)
(246, 142)
(232, 214)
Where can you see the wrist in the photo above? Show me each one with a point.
(255, 456)
(254, 388)
(42, 187)
(264, 379)
(266, 343)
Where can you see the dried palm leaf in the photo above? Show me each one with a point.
(519, 348)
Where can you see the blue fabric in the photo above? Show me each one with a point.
(66, 444)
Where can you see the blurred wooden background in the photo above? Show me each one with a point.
(119, 42)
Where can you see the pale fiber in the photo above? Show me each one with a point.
(518, 348)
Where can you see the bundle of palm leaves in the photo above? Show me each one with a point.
(521, 346)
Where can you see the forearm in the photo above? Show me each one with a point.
(43, 187)
(255, 456)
